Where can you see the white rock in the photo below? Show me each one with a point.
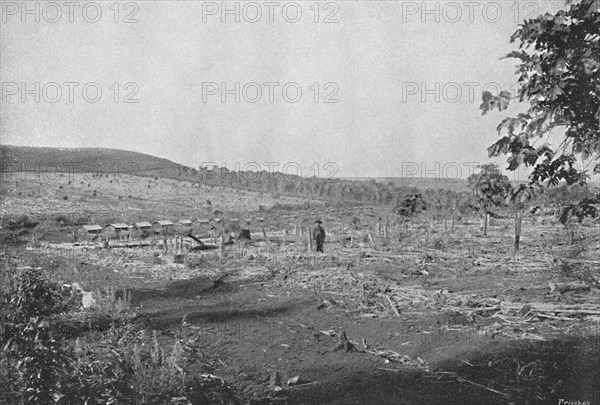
(87, 298)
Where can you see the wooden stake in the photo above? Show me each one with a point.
(284, 232)
(485, 223)
(392, 305)
(385, 230)
(371, 239)
(268, 243)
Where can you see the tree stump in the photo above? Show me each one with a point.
(244, 234)
(344, 344)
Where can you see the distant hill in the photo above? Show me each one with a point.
(387, 191)
(110, 162)
(91, 160)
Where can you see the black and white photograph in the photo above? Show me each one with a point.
(303, 202)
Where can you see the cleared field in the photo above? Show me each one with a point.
(127, 199)
(422, 310)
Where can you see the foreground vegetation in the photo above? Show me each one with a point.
(53, 352)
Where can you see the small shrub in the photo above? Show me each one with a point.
(194, 261)
(62, 220)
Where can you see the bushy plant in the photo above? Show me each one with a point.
(193, 261)
(33, 357)
(122, 364)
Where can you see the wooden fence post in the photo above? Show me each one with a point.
(485, 223)
(268, 243)
(284, 232)
(385, 230)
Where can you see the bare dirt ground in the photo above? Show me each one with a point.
(428, 314)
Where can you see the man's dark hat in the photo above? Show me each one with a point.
(318, 221)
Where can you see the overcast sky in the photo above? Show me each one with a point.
(373, 57)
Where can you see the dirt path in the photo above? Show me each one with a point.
(259, 336)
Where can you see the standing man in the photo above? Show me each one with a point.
(319, 235)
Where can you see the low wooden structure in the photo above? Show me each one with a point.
(90, 231)
(143, 229)
(163, 227)
(117, 230)
(184, 226)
